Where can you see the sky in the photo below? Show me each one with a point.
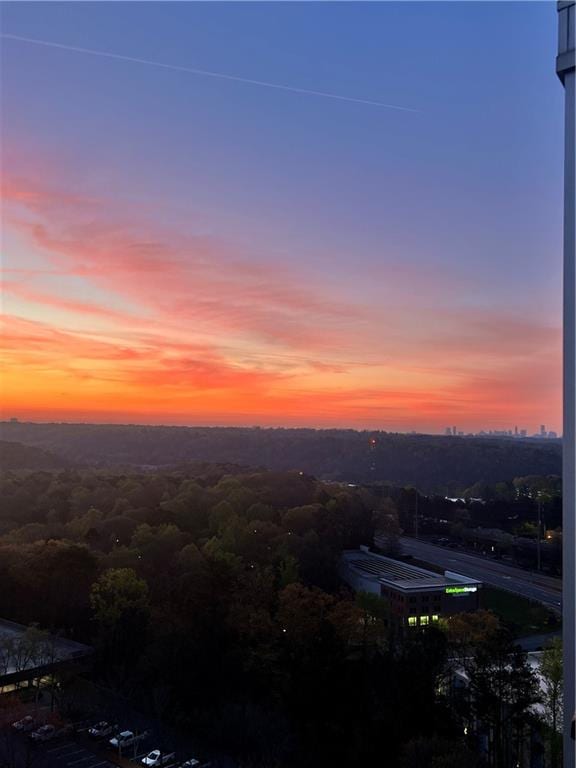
(185, 248)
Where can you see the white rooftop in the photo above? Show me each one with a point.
(399, 574)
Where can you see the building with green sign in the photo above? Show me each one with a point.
(417, 597)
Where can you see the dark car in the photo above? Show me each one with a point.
(44, 733)
(101, 730)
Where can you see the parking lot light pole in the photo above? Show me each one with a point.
(539, 539)
(565, 70)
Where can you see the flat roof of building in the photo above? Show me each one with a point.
(400, 574)
(23, 649)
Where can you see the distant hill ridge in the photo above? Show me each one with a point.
(19, 456)
(431, 463)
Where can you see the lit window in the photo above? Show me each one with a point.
(435, 617)
(412, 621)
(424, 619)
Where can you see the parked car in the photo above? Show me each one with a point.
(44, 733)
(126, 739)
(122, 739)
(191, 763)
(157, 758)
(101, 730)
(26, 724)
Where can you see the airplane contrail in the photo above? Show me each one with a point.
(207, 73)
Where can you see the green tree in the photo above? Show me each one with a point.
(117, 592)
(503, 690)
(158, 545)
(375, 616)
(54, 579)
(120, 603)
(219, 516)
(188, 509)
(288, 570)
(301, 519)
(79, 526)
(260, 511)
(551, 669)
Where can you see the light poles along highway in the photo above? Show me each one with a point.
(565, 70)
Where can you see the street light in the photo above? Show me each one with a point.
(565, 70)
(538, 542)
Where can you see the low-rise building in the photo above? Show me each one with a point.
(27, 654)
(417, 597)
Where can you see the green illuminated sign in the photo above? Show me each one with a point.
(460, 590)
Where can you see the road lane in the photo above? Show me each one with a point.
(534, 586)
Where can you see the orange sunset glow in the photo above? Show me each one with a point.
(190, 330)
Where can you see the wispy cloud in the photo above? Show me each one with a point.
(186, 280)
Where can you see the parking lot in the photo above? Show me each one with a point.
(41, 738)
(59, 753)
(72, 755)
(80, 751)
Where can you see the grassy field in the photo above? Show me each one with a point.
(523, 617)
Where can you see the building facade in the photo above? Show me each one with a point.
(417, 597)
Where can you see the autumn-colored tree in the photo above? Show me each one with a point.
(302, 612)
(348, 620)
(472, 629)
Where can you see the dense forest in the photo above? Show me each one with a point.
(432, 464)
(20, 456)
(212, 598)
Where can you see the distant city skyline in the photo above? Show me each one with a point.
(519, 432)
(229, 217)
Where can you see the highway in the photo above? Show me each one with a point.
(534, 586)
